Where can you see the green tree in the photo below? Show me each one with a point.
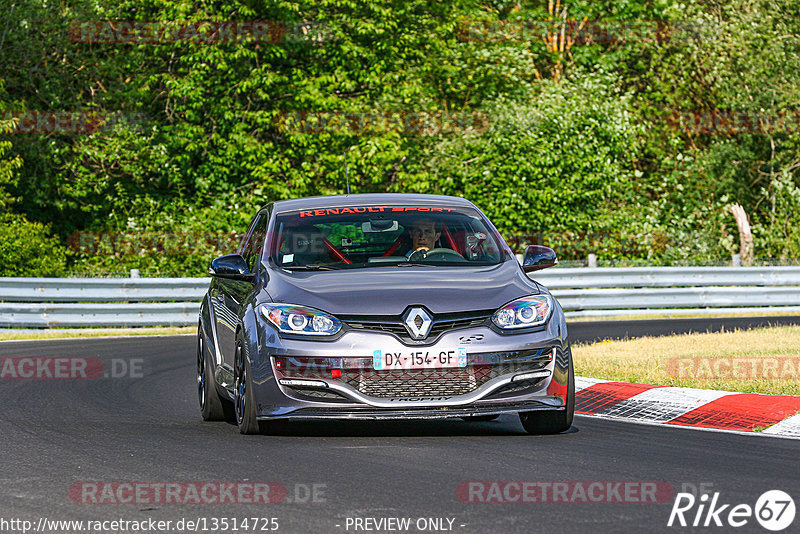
(562, 164)
(26, 248)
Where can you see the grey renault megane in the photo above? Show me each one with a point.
(381, 306)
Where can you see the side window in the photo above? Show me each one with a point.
(255, 241)
(245, 238)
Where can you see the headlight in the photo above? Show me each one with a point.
(524, 312)
(293, 319)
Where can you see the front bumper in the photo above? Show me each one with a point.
(443, 412)
(503, 374)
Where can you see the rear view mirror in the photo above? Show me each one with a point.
(538, 257)
(379, 225)
(231, 266)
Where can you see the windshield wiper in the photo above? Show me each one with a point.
(412, 264)
(313, 267)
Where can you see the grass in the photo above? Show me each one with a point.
(97, 332)
(762, 360)
(687, 315)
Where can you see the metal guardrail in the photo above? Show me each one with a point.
(102, 289)
(118, 302)
(42, 315)
(110, 302)
(629, 277)
(609, 291)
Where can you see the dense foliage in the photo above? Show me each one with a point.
(623, 128)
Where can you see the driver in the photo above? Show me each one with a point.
(424, 233)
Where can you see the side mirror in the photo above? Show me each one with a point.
(538, 257)
(231, 266)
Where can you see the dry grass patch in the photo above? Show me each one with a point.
(763, 360)
(97, 332)
(687, 315)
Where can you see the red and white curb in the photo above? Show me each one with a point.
(703, 408)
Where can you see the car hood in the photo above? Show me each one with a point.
(390, 290)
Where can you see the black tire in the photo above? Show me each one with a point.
(211, 406)
(551, 421)
(244, 401)
(480, 418)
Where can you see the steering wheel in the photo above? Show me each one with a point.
(443, 252)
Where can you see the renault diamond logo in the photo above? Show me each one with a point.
(418, 323)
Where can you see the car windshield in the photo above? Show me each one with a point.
(374, 236)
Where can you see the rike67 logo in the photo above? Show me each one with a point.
(774, 510)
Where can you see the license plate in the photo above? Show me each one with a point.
(384, 360)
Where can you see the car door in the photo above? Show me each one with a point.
(231, 295)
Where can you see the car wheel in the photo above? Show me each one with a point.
(211, 405)
(244, 400)
(480, 418)
(551, 421)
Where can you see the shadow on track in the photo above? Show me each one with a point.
(507, 425)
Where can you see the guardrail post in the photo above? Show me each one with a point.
(737, 260)
(592, 260)
(134, 273)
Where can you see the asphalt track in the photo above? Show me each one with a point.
(56, 433)
(587, 331)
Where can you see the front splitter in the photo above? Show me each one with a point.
(444, 412)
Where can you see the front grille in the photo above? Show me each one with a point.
(418, 383)
(393, 324)
(359, 374)
(380, 326)
(444, 382)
